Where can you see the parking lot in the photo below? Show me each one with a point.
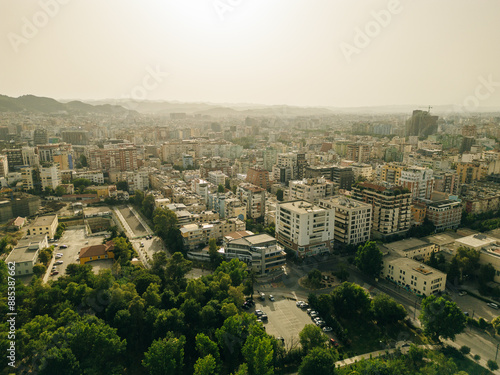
(75, 239)
(285, 319)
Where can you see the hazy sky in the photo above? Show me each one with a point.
(299, 52)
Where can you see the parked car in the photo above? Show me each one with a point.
(304, 305)
(298, 303)
(327, 329)
(309, 311)
(262, 297)
(250, 301)
(54, 273)
(259, 313)
(466, 313)
(271, 298)
(334, 343)
(313, 314)
(245, 306)
(58, 256)
(59, 262)
(63, 246)
(142, 244)
(462, 293)
(320, 323)
(263, 317)
(493, 305)
(61, 254)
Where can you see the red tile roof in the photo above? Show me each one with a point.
(96, 250)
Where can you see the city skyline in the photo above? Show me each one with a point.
(327, 54)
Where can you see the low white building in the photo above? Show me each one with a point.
(413, 275)
(25, 254)
(413, 248)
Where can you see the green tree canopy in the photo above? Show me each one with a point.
(386, 310)
(165, 356)
(442, 318)
(319, 361)
(369, 258)
(312, 337)
(349, 298)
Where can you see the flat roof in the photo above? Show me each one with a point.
(299, 206)
(416, 266)
(44, 220)
(476, 240)
(26, 249)
(407, 244)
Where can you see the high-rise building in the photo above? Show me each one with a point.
(391, 207)
(445, 214)
(4, 166)
(258, 177)
(304, 228)
(473, 171)
(343, 177)
(421, 124)
(122, 158)
(254, 198)
(353, 219)
(446, 182)
(289, 166)
(50, 176)
(418, 180)
(358, 152)
(75, 137)
(311, 189)
(40, 137)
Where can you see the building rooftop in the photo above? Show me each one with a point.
(96, 250)
(415, 265)
(26, 249)
(301, 207)
(476, 241)
(44, 221)
(407, 244)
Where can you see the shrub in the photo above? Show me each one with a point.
(477, 357)
(492, 365)
(465, 349)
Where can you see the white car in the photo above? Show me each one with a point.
(58, 256)
(61, 254)
(299, 303)
(327, 329)
(59, 262)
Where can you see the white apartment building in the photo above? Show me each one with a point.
(97, 177)
(27, 177)
(311, 189)
(217, 178)
(353, 219)
(419, 181)
(4, 166)
(413, 275)
(305, 228)
(254, 198)
(362, 170)
(50, 176)
(200, 187)
(197, 235)
(25, 254)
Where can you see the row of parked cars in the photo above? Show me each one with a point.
(318, 320)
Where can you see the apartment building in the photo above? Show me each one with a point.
(343, 177)
(413, 275)
(260, 251)
(4, 166)
(361, 170)
(217, 178)
(198, 234)
(258, 177)
(418, 180)
(446, 182)
(391, 173)
(311, 189)
(28, 178)
(305, 228)
(50, 176)
(445, 214)
(391, 207)
(353, 220)
(358, 152)
(469, 172)
(121, 157)
(46, 225)
(215, 163)
(254, 198)
(97, 177)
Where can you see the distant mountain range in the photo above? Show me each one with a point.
(31, 103)
(36, 104)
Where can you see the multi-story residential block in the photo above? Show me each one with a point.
(97, 177)
(50, 176)
(25, 254)
(19, 157)
(198, 234)
(289, 166)
(311, 189)
(446, 182)
(353, 220)
(358, 152)
(469, 172)
(46, 225)
(418, 212)
(391, 207)
(260, 251)
(343, 177)
(305, 228)
(217, 178)
(40, 137)
(254, 198)
(362, 171)
(122, 158)
(75, 137)
(201, 187)
(215, 163)
(418, 180)
(4, 166)
(413, 275)
(391, 173)
(445, 214)
(187, 161)
(258, 177)
(413, 248)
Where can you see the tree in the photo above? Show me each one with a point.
(486, 273)
(492, 365)
(312, 337)
(206, 347)
(319, 361)
(4, 242)
(165, 356)
(386, 310)
(138, 198)
(369, 258)
(442, 318)
(148, 206)
(39, 269)
(220, 189)
(122, 250)
(81, 184)
(227, 184)
(258, 353)
(467, 260)
(60, 190)
(314, 277)
(279, 195)
(83, 161)
(59, 361)
(205, 366)
(122, 185)
(349, 298)
(215, 257)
